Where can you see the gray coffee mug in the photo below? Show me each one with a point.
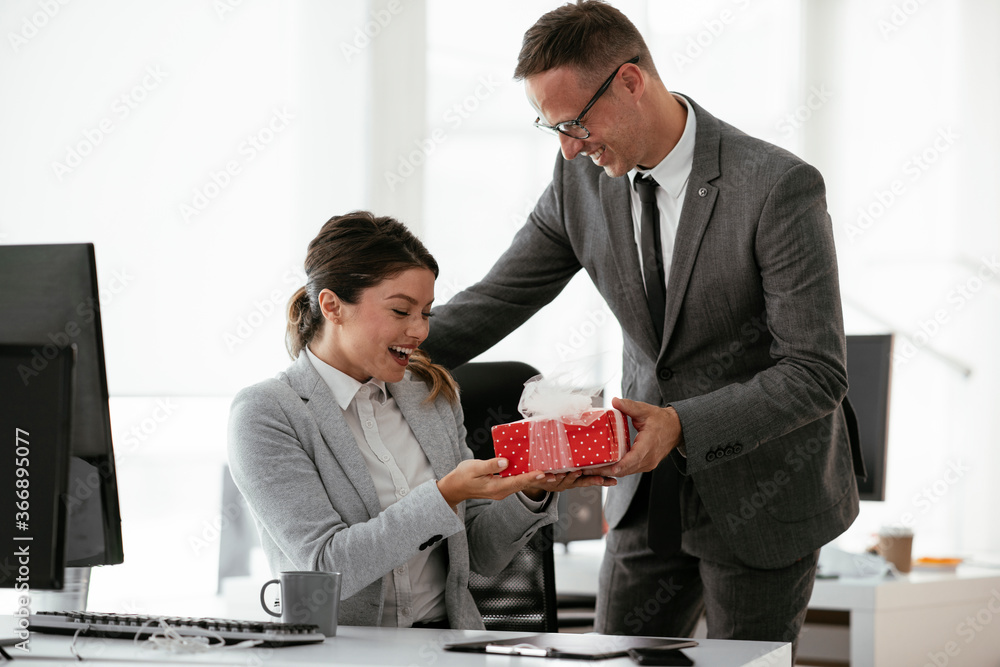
(310, 598)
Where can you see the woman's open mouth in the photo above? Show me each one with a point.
(401, 354)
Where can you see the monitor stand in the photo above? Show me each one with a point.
(73, 596)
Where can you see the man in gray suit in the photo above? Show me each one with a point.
(723, 276)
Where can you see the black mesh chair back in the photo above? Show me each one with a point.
(521, 598)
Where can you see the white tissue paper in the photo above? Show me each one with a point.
(545, 398)
(835, 562)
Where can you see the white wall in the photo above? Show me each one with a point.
(211, 146)
(907, 143)
(193, 308)
(158, 100)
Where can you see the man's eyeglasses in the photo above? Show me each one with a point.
(573, 128)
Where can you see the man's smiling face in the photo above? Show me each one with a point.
(615, 144)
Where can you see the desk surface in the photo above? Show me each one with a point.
(361, 646)
(893, 621)
(577, 569)
(905, 591)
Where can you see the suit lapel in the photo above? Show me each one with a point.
(617, 205)
(337, 435)
(699, 200)
(425, 424)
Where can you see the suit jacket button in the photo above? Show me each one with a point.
(737, 448)
(665, 374)
(729, 451)
(702, 192)
(710, 456)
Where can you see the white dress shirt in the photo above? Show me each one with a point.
(672, 173)
(397, 463)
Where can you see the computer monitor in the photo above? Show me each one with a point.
(51, 313)
(35, 423)
(869, 370)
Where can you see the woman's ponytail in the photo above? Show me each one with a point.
(302, 324)
(437, 377)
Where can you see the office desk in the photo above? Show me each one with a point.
(361, 646)
(919, 618)
(916, 619)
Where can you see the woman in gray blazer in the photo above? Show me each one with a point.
(354, 459)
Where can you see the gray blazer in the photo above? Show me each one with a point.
(296, 461)
(753, 354)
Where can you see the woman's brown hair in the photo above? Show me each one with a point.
(350, 254)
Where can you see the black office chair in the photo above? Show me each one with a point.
(521, 598)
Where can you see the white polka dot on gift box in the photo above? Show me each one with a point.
(596, 438)
(506, 439)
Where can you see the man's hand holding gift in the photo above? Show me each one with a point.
(658, 433)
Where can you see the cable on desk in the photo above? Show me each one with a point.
(173, 641)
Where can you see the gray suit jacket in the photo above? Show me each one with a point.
(295, 459)
(753, 354)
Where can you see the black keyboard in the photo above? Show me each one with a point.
(128, 626)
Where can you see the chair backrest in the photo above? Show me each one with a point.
(237, 534)
(521, 598)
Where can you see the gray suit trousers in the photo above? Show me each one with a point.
(644, 593)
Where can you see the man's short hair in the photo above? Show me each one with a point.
(589, 35)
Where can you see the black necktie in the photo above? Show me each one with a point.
(652, 251)
(664, 522)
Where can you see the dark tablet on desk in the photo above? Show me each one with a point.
(570, 646)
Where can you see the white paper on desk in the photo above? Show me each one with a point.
(835, 562)
(570, 646)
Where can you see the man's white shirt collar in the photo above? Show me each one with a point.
(673, 171)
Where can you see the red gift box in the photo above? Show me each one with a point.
(596, 438)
